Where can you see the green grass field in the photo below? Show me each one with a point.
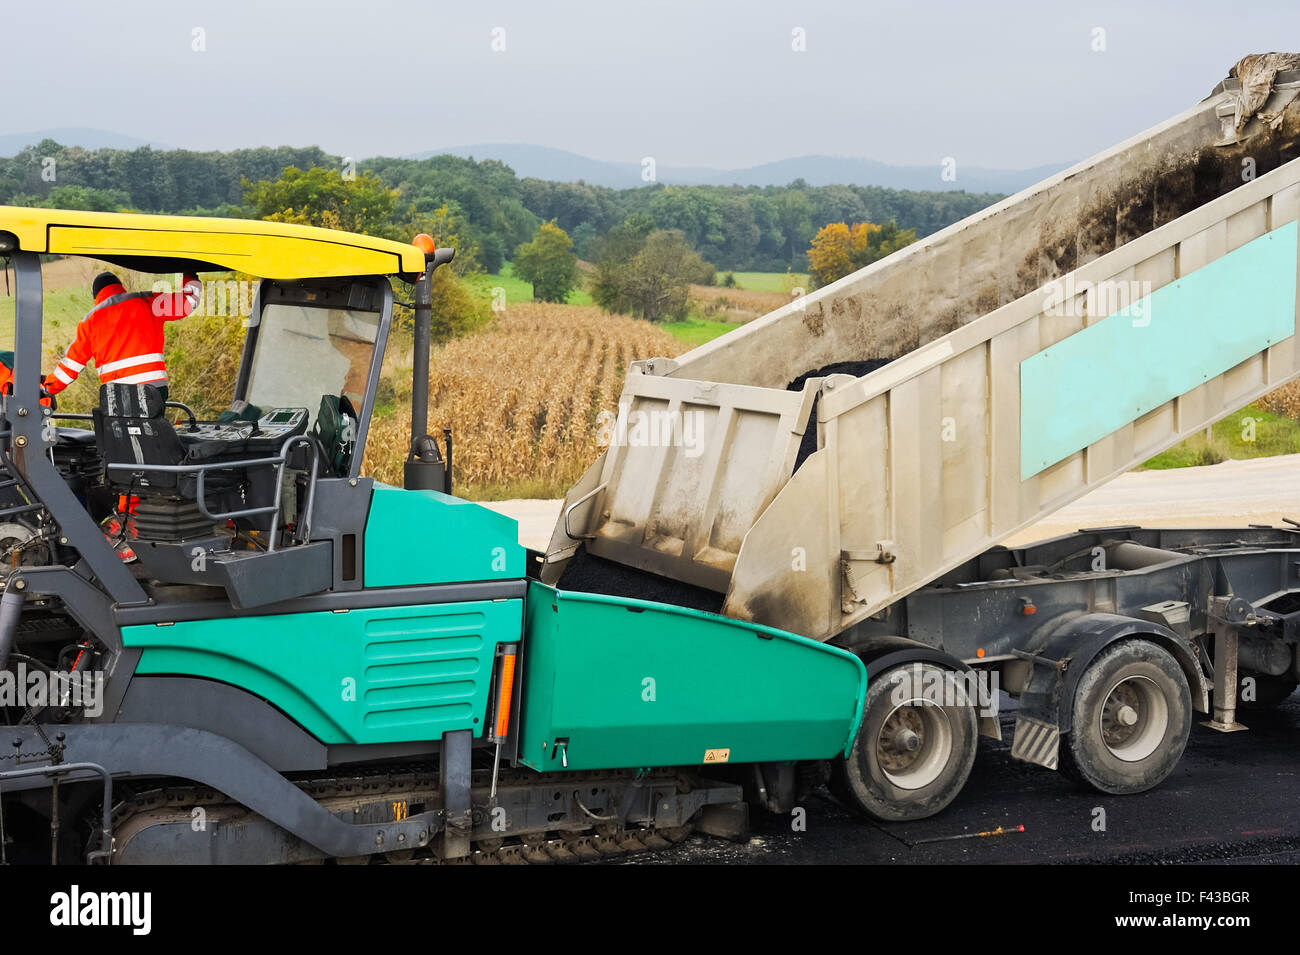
(693, 331)
(1234, 438)
(697, 331)
(515, 289)
(768, 281)
(62, 310)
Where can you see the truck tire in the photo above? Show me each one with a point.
(911, 756)
(1132, 714)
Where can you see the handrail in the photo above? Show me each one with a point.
(106, 810)
(575, 505)
(21, 509)
(302, 533)
(280, 461)
(189, 412)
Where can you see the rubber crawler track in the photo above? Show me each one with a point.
(598, 842)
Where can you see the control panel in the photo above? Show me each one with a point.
(266, 434)
(285, 422)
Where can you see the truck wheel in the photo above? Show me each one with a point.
(1132, 714)
(1269, 690)
(912, 755)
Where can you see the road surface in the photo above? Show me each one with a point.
(1232, 799)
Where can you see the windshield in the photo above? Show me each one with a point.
(304, 353)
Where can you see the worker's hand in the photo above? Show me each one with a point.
(49, 400)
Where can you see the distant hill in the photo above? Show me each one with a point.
(559, 165)
(12, 143)
(832, 170)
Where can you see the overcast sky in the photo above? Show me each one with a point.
(1007, 83)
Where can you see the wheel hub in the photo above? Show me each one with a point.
(914, 744)
(907, 741)
(900, 739)
(1133, 719)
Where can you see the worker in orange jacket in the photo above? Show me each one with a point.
(6, 373)
(123, 334)
(7, 377)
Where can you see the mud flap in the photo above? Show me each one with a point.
(990, 727)
(1036, 741)
(1048, 696)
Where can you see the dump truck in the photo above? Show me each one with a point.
(303, 663)
(997, 370)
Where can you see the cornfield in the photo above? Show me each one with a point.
(522, 398)
(736, 304)
(1284, 401)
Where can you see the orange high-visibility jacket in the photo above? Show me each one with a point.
(123, 336)
(7, 383)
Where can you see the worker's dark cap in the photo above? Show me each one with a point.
(102, 281)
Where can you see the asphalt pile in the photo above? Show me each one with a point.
(587, 573)
(590, 574)
(855, 368)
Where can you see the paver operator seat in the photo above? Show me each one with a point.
(131, 428)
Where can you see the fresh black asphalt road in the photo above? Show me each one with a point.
(1233, 799)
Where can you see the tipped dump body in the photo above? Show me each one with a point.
(1035, 350)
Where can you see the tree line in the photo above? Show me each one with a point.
(753, 228)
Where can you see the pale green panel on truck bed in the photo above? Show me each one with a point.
(379, 675)
(631, 683)
(424, 537)
(1096, 381)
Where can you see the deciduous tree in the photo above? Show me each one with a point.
(549, 263)
(323, 197)
(839, 249)
(653, 282)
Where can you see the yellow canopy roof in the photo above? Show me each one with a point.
(148, 243)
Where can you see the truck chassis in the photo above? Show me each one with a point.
(1107, 638)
